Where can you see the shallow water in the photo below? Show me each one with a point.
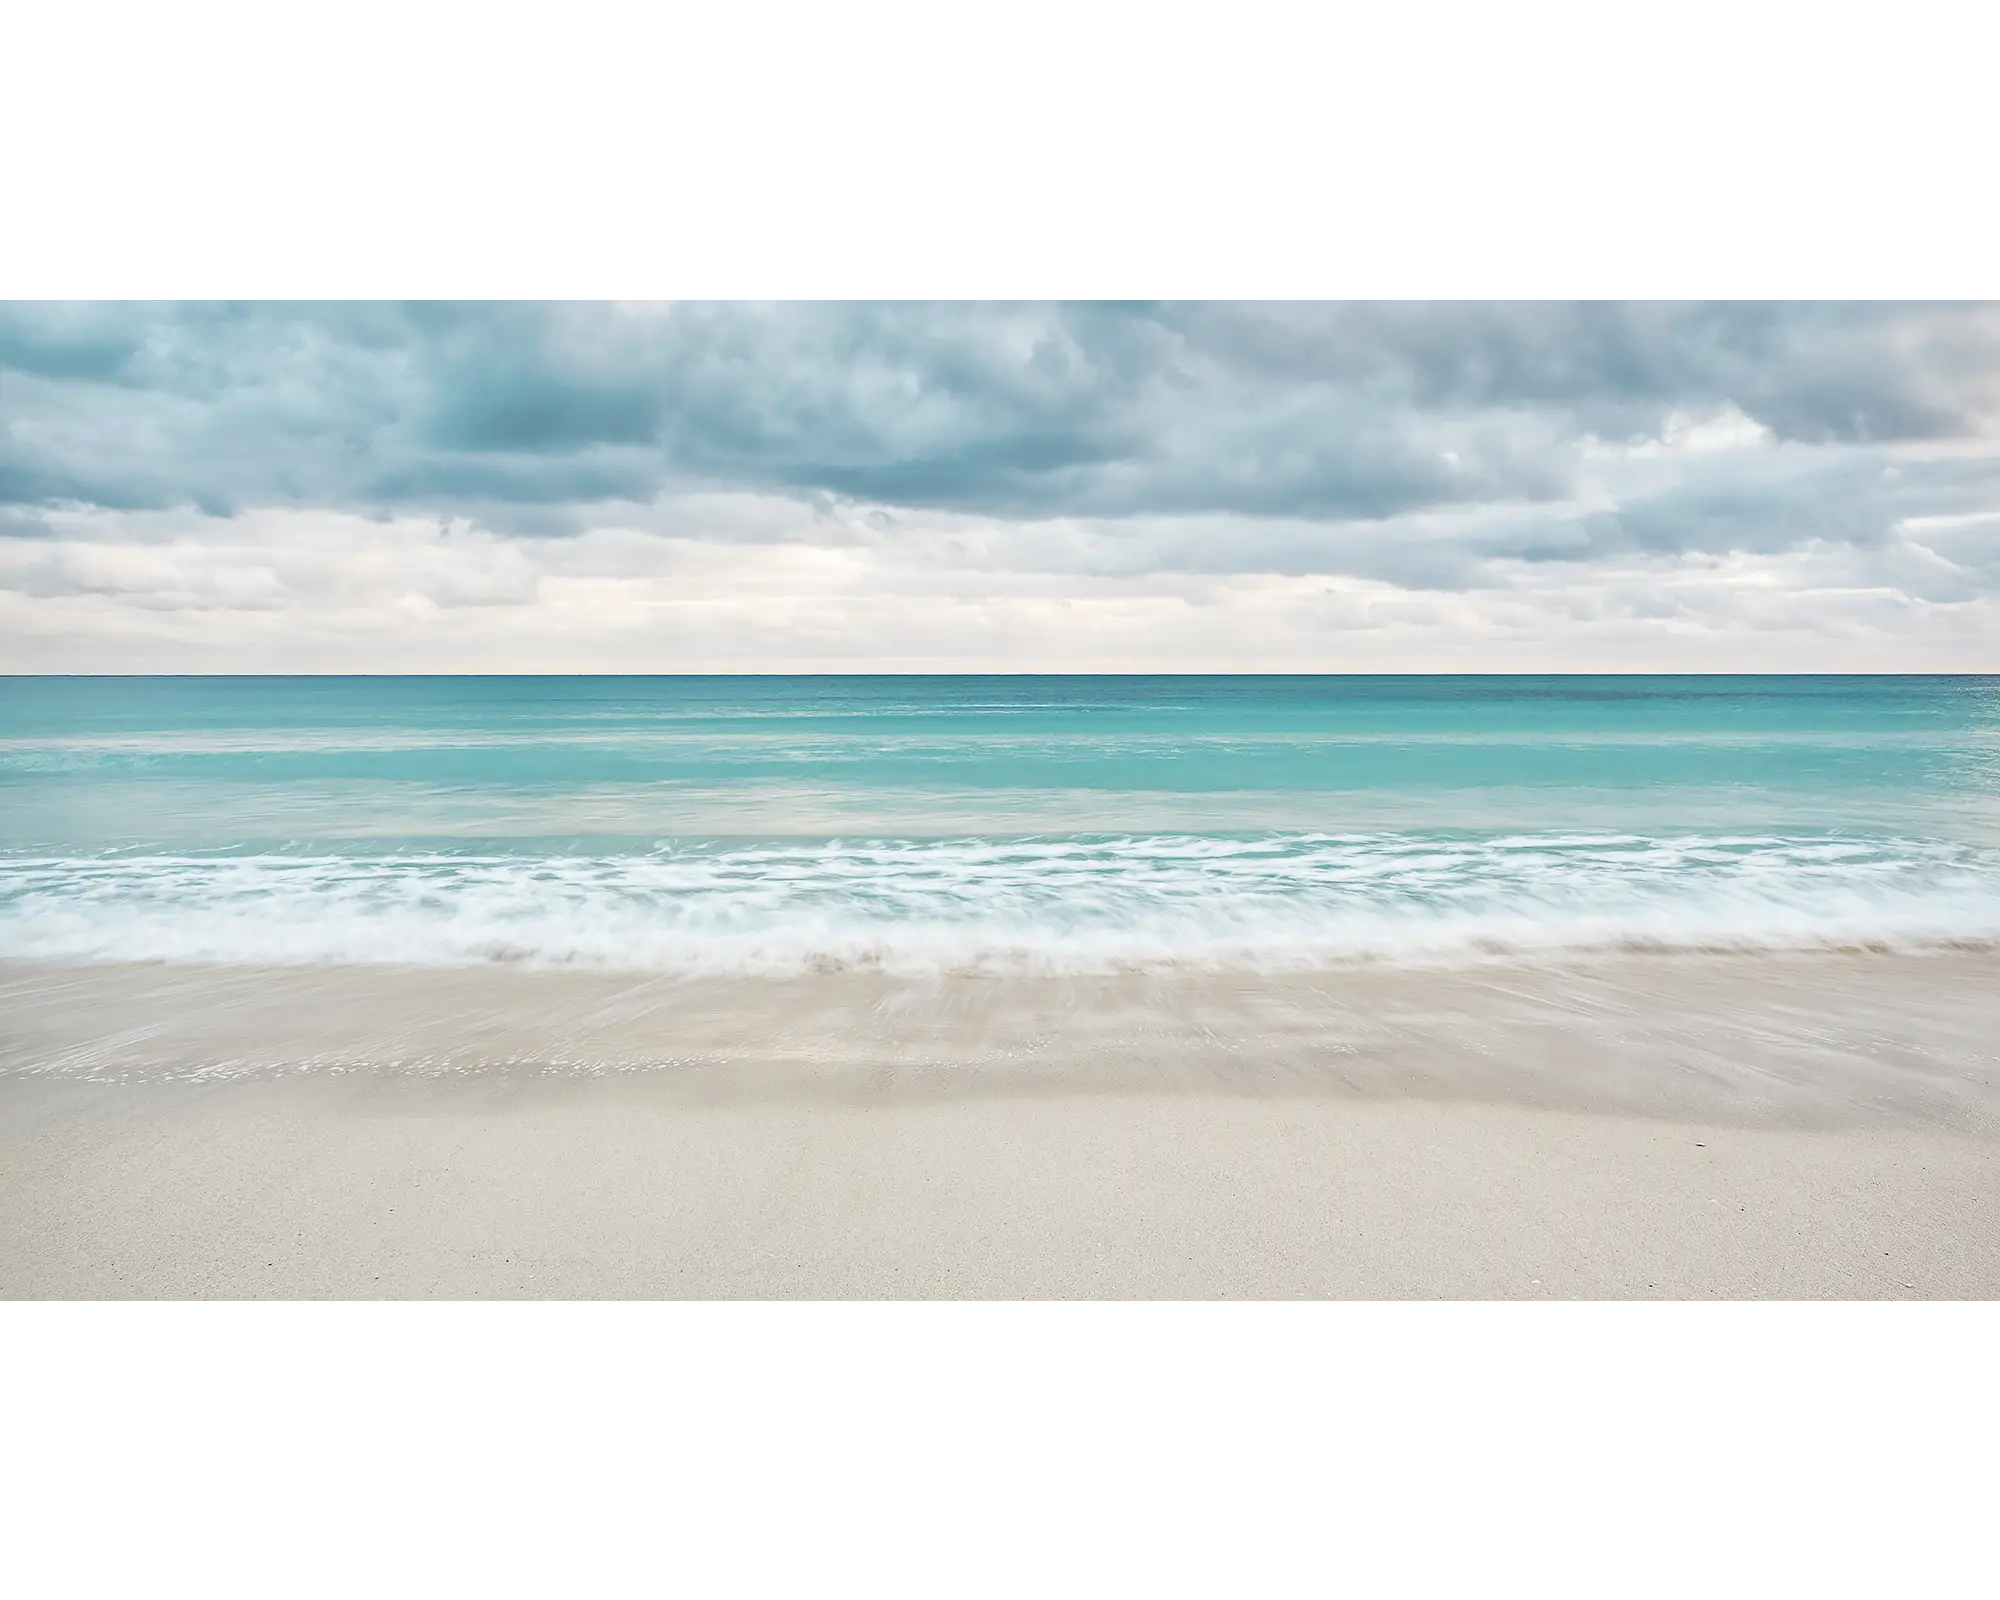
(1038, 825)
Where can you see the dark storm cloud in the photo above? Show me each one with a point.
(1813, 373)
(534, 418)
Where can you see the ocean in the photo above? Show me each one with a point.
(1048, 825)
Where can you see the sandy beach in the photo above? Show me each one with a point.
(1649, 1126)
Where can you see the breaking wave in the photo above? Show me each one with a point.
(1050, 904)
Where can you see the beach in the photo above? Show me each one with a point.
(1042, 986)
(1642, 1126)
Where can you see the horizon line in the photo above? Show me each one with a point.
(1983, 672)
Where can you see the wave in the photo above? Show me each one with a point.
(1069, 904)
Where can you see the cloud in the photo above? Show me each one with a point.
(293, 591)
(1335, 411)
(815, 476)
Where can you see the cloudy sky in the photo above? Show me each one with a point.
(850, 487)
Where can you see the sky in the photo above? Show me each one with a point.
(905, 487)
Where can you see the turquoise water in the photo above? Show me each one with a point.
(951, 823)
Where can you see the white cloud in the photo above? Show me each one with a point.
(285, 590)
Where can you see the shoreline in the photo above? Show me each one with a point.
(1792, 1039)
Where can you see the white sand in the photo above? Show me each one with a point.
(1648, 1128)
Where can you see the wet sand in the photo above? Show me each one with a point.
(1648, 1126)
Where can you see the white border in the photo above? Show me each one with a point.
(1000, 1449)
(898, 150)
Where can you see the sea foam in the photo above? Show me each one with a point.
(1047, 904)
